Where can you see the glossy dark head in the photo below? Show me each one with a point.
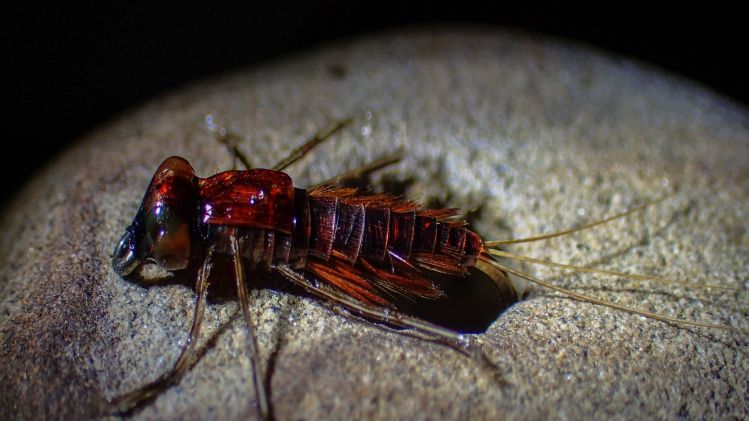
(161, 230)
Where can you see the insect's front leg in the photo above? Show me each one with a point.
(126, 403)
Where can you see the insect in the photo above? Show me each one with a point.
(354, 249)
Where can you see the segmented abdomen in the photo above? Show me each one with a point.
(372, 245)
(376, 227)
(368, 246)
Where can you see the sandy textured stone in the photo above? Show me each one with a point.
(539, 134)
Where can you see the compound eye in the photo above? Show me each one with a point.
(125, 258)
(169, 235)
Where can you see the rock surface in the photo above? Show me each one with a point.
(538, 134)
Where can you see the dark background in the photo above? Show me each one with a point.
(81, 64)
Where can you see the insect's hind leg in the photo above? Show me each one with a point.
(344, 311)
(128, 402)
(418, 328)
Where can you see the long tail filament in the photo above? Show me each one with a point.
(492, 248)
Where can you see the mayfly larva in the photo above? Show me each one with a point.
(357, 250)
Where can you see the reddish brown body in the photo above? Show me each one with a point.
(362, 244)
(368, 246)
(253, 198)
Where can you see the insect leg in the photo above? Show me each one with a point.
(421, 328)
(365, 169)
(345, 312)
(318, 138)
(257, 376)
(230, 140)
(128, 402)
(241, 157)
